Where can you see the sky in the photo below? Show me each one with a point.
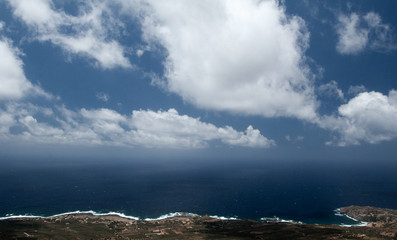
(198, 79)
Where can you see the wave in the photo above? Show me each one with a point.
(223, 218)
(361, 224)
(279, 220)
(122, 215)
(171, 215)
(357, 224)
(179, 214)
(338, 213)
(11, 216)
(186, 214)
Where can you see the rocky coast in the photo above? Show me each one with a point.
(380, 224)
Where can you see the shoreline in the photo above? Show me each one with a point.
(181, 225)
(273, 219)
(359, 223)
(117, 214)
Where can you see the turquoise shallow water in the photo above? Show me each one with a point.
(299, 191)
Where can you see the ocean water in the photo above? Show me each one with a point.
(306, 191)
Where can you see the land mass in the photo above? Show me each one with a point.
(381, 224)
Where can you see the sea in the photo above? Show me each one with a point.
(308, 191)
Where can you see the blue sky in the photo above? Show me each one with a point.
(232, 79)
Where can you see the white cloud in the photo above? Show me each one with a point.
(140, 52)
(250, 138)
(356, 33)
(331, 90)
(161, 129)
(244, 57)
(352, 38)
(6, 121)
(104, 121)
(369, 117)
(87, 34)
(40, 132)
(102, 96)
(36, 13)
(383, 40)
(13, 82)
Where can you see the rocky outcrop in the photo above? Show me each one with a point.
(370, 214)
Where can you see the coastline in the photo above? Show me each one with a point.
(112, 214)
(180, 225)
(358, 224)
(273, 219)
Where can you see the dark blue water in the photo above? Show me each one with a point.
(305, 191)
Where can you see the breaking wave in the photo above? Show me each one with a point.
(181, 214)
(357, 224)
(277, 219)
(122, 215)
(223, 218)
(171, 215)
(11, 216)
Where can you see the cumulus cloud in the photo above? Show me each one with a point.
(87, 34)
(352, 38)
(244, 57)
(13, 82)
(184, 130)
(145, 128)
(369, 117)
(357, 32)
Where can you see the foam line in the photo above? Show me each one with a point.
(11, 216)
(223, 218)
(358, 224)
(277, 219)
(170, 215)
